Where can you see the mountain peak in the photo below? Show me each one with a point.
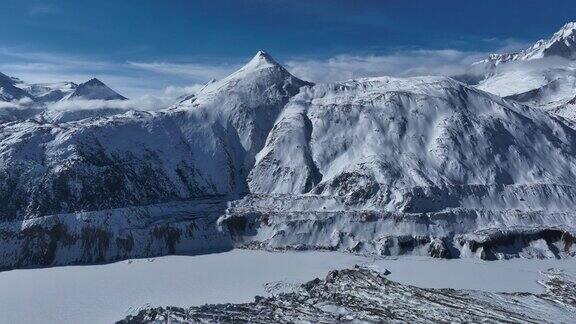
(260, 61)
(567, 30)
(261, 55)
(561, 44)
(94, 89)
(94, 82)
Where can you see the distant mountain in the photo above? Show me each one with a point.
(543, 76)
(39, 99)
(9, 91)
(93, 89)
(49, 92)
(561, 44)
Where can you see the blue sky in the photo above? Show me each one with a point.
(167, 47)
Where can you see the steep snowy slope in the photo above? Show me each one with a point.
(368, 138)
(388, 166)
(248, 101)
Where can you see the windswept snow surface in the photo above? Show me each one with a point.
(105, 293)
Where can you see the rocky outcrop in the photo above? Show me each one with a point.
(117, 234)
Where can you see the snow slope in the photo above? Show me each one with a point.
(371, 139)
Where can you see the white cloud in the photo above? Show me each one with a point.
(402, 63)
(195, 71)
(146, 102)
(175, 91)
(17, 104)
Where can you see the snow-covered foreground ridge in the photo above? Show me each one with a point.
(361, 295)
(381, 165)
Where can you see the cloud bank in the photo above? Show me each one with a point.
(400, 64)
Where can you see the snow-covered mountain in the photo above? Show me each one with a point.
(379, 165)
(544, 75)
(93, 89)
(39, 100)
(561, 44)
(350, 165)
(201, 147)
(9, 91)
(48, 92)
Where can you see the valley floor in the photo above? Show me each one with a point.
(109, 292)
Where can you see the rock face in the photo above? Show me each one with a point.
(362, 295)
(114, 234)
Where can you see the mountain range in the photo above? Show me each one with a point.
(93, 89)
(262, 159)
